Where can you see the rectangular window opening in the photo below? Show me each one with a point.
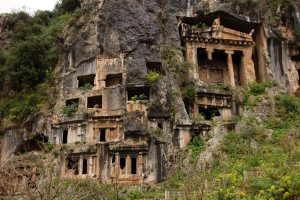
(160, 125)
(138, 93)
(94, 102)
(155, 67)
(133, 165)
(113, 79)
(86, 80)
(209, 112)
(65, 137)
(102, 135)
(298, 70)
(113, 159)
(202, 57)
(122, 162)
(84, 166)
(70, 102)
(72, 163)
(237, 60)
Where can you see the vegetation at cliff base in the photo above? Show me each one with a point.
(258, 160)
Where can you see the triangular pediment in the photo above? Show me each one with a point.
(224, 33)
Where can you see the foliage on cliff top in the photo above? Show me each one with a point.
(30, 59)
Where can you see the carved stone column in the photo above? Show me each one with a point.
(80, 165)
(117, 165)
(209, 52)
(140, 164)
(191, 56)
(128, 165)
(249, 71)
(230, 68)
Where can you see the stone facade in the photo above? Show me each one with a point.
(115, 119)
(221, 58)
(108, 137)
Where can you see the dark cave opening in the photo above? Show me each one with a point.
(84, 166)
(155, 67)
(65, 137)
(86, 79)
(138, 93)
(73, 163)
(122, 162)
(102, 137)
(94, 102)
(113, 79)
(133, 165)
(70, 102)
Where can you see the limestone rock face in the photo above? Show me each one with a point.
(108, 52)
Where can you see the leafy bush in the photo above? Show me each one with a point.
(287, 104)
(138, 97)
(67, 6)
(258, 88)
(222, 86)
(257, 92)
(189, 91)
(19, 106)
(170, 52)
(86, 86)
(153, 76)
(297, 33)
(250, 130)
(135, 193)
(199, 118)
(48, 147)
(200, 27)
(71, 109)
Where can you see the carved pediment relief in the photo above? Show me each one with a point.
(229, 34)
(217, 32)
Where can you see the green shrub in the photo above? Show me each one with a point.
(138, 97)
(71, 109)
(257, 92)
(200, 27)
(287, 104)
(86, 87)
(257, 88)
(18, 106)
(48, 147)
(170, 52)
(251, 130)
(196, 145)
(189, 91)
(135, 193)
(67, 6)
(297, 33)
(231, 143)
(56, 153)
(153, 76)
(199, 118)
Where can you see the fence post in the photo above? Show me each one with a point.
(167, 195)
